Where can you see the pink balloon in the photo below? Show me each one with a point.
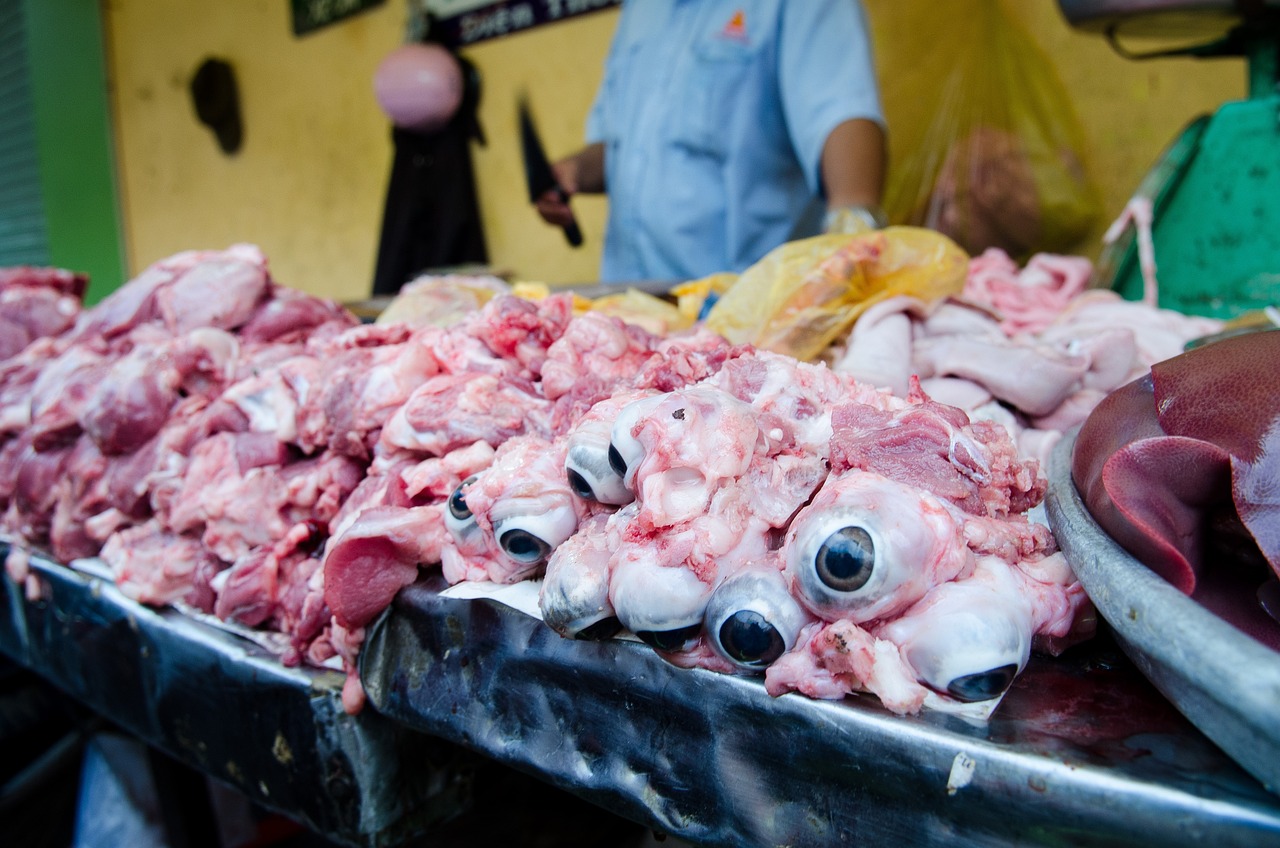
(419, 86)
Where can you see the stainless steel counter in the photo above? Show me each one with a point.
(1082, 751)
(227, 707)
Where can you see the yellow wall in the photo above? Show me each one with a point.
(308, 184)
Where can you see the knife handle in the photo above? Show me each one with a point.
(572, 233)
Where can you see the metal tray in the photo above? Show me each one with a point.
(1082, 751)
(228, 708)
(1225, 682)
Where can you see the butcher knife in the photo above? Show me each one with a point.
(537, 170)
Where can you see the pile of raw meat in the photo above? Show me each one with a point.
(243, 449)
(1032, 348)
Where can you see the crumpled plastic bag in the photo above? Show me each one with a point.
(804, 295)
(696, 297)
(986, 145)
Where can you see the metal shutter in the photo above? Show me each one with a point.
(24, 239)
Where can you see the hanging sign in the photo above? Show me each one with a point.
(311, 15)
(468, 21)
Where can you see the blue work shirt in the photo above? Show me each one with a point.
(713, 114)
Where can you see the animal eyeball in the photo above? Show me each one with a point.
(752, 619)
(522, 546)
(983, 685)
(839, 562)
(529, 537)
(869, 547)
(625, 451)
(458, 500)
(593, 477)
(574, 598)
(625, 455)
(599, 631)
(671, 640)
(616, 462)
(749, 639)
(846, 560)
(965, 640)
(579, 484)
(458, 518)
(856, 562)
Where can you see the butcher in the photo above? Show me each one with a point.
(723, 129)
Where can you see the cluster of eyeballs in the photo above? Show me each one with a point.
(715, 527)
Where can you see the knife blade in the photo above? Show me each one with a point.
(537, 169)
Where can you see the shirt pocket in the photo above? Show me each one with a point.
(717, 74)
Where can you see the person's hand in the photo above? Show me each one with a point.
(553, 205)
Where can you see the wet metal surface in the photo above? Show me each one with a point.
(1083, 751)
(229, 709)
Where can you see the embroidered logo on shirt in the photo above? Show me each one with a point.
(736, 28)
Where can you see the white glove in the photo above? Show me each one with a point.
(853, 219)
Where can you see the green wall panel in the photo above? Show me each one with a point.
(73, 140)
(23, 238)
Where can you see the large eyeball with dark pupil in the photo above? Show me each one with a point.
(966, 639)
(846, 560)
(524, 547)
(600, 631)
(868, 547)
(748, 638)
(752, 619)
(528, 530)
(458, 519)
(984, 685)
(670, 640)
(841, 566)
(616, 462)
(592, 477)
(625, 451)
(579, 485)
(458, 500)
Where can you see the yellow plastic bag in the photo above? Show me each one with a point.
(691, 297)
(636, 307)
(985, 145)
(803, 295)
